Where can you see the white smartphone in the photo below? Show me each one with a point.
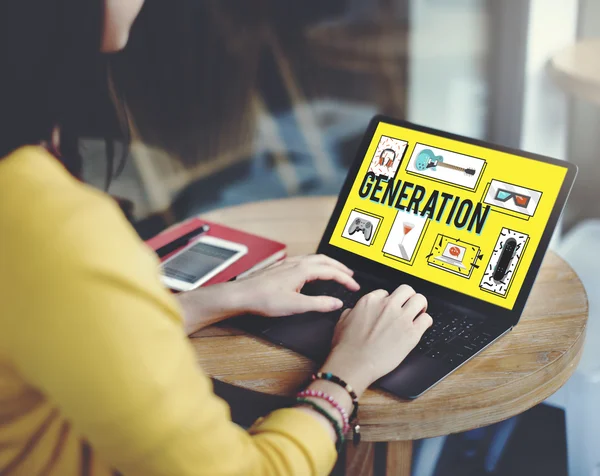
(198, 262)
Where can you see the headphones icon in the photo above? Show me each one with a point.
(390, 162)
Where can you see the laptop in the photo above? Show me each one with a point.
(453, 255)
(464, 222)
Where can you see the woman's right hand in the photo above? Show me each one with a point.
(372, 339)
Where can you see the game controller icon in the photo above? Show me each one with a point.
(360, 224)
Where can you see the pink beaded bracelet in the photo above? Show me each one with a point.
(332, 401)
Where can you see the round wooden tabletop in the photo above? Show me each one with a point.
(576, 69)
(522, 369)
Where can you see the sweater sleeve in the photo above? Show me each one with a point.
(101, 338)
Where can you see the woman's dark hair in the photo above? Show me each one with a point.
(188, 73)
(53, 74)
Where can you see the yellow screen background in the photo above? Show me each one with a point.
(532, 174)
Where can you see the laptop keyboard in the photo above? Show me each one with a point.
(453, 337)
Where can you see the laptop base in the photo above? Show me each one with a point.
(310, 334)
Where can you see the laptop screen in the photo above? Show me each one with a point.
(460, 215)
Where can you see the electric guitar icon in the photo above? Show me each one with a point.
(428, 160)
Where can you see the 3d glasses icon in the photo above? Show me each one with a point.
(519, 199)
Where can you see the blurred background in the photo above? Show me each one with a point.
(233, 101)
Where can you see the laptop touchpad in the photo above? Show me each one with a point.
(309, 334)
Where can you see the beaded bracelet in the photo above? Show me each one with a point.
(335, 379)
(338, 381)
(354, 416)
(332, 402)
(336, 425)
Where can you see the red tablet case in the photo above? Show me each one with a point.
(261, 251)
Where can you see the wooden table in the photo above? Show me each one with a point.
(576, 70)
(518, 372)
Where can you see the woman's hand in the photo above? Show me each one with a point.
(372, 339)
(272, 292)
(275, 291)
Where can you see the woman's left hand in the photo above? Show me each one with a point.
(275, 291)
(272, 292)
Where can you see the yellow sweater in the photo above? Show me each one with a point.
(96, 374)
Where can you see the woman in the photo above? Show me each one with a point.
(96, 374)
